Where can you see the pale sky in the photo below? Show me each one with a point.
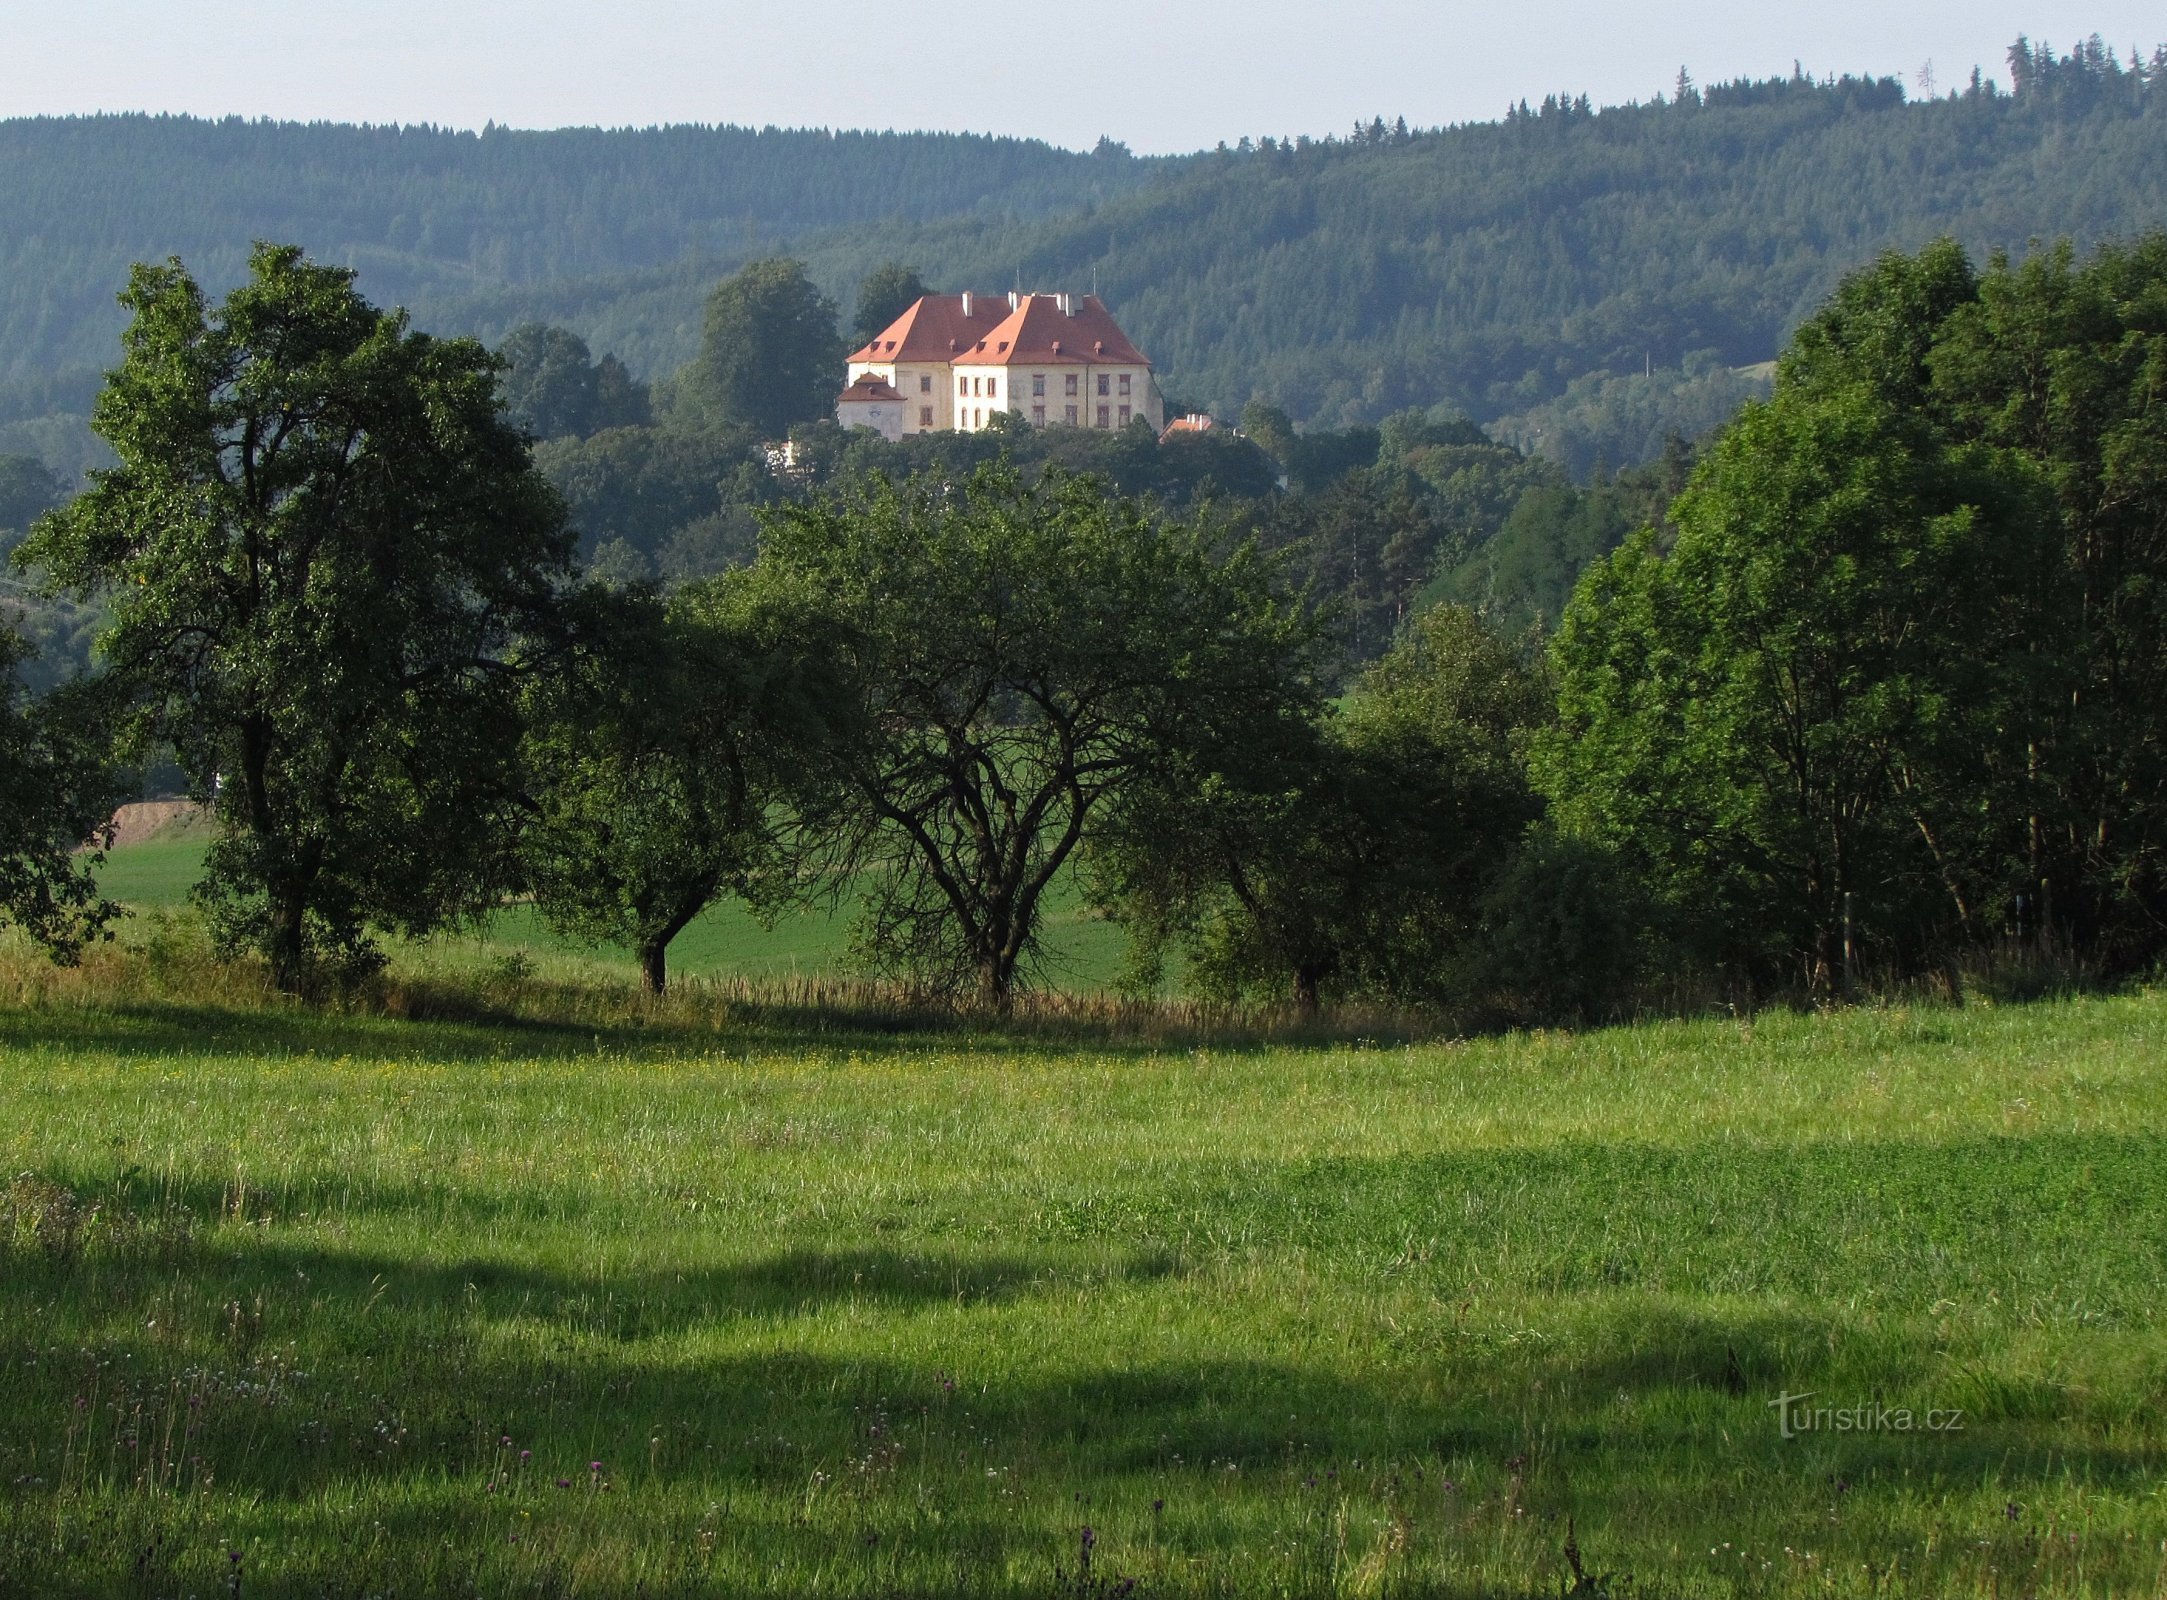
(1161, 75)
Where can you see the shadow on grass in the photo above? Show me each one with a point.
(300, 1380)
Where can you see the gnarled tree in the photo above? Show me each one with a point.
(1020, 657)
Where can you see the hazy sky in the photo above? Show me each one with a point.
(1160, 74)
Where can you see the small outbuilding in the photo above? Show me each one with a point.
(871, 402)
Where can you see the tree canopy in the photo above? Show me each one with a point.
(770, 355)
(1019, 656)
(664, 762)
(888, 291)
(57, 794)
(322, 550)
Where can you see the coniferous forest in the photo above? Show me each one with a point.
(1589, 278)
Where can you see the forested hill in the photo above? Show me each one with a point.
(1565, 269)
(1487, 266)
(432, 213)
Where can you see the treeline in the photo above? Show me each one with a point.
(428, 214)
(1587, 277)
(1881, 690)
(1488, 268)
(669, 483)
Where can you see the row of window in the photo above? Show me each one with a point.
(969, 386)
(975, 416)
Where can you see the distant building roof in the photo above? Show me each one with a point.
(936, 328)
(1054, 330)
(1194, 422)
(869, 387)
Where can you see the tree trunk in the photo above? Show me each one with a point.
(287, 937)
(996, 984)
(654, 951)
(1308, 979)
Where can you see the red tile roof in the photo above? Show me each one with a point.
(869, 387)
(935, 328)
(1039, 333)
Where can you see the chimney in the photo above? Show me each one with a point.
(966, 305)
(1014, 299)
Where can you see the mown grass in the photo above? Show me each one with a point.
(386, 1307)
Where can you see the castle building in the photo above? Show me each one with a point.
(955, 360)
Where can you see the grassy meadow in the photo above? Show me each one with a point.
(308, 1304)
(561, 1292)
(1083, 951)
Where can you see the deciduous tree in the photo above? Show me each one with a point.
(769, 354)
(888, 291)
(663, 763)
(1021, 658)
(322, 548)
(57, 793)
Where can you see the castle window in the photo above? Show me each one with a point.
(1038, 385)
(1104, 420)
(925, 383)
(925, 414)
(1070, 419)
(963, 384)
(1071, 389)
(1103, 386)
(1124, 383)
(1124, 416)
(1038, 416)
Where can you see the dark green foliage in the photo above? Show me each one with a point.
(1347, 858)
(27, 491)
(1802, 723)
(1365, 545)
(769, 356)
(1486, 267)
(1490, 267)
(1604, 419)
(2066, 364)
(660, 760)
(1521, 576)
(321, 550)
(1020, 658)
(57, 792)
(554, 388)
(436, 218)
(887, 292)
(642, 485)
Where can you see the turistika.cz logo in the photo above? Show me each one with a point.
(1796, 1415)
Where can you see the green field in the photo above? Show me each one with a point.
(388, 1307)
(1083, 951)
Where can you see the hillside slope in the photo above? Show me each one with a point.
(1488, 267)
(431, 213)
(1485, 267)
